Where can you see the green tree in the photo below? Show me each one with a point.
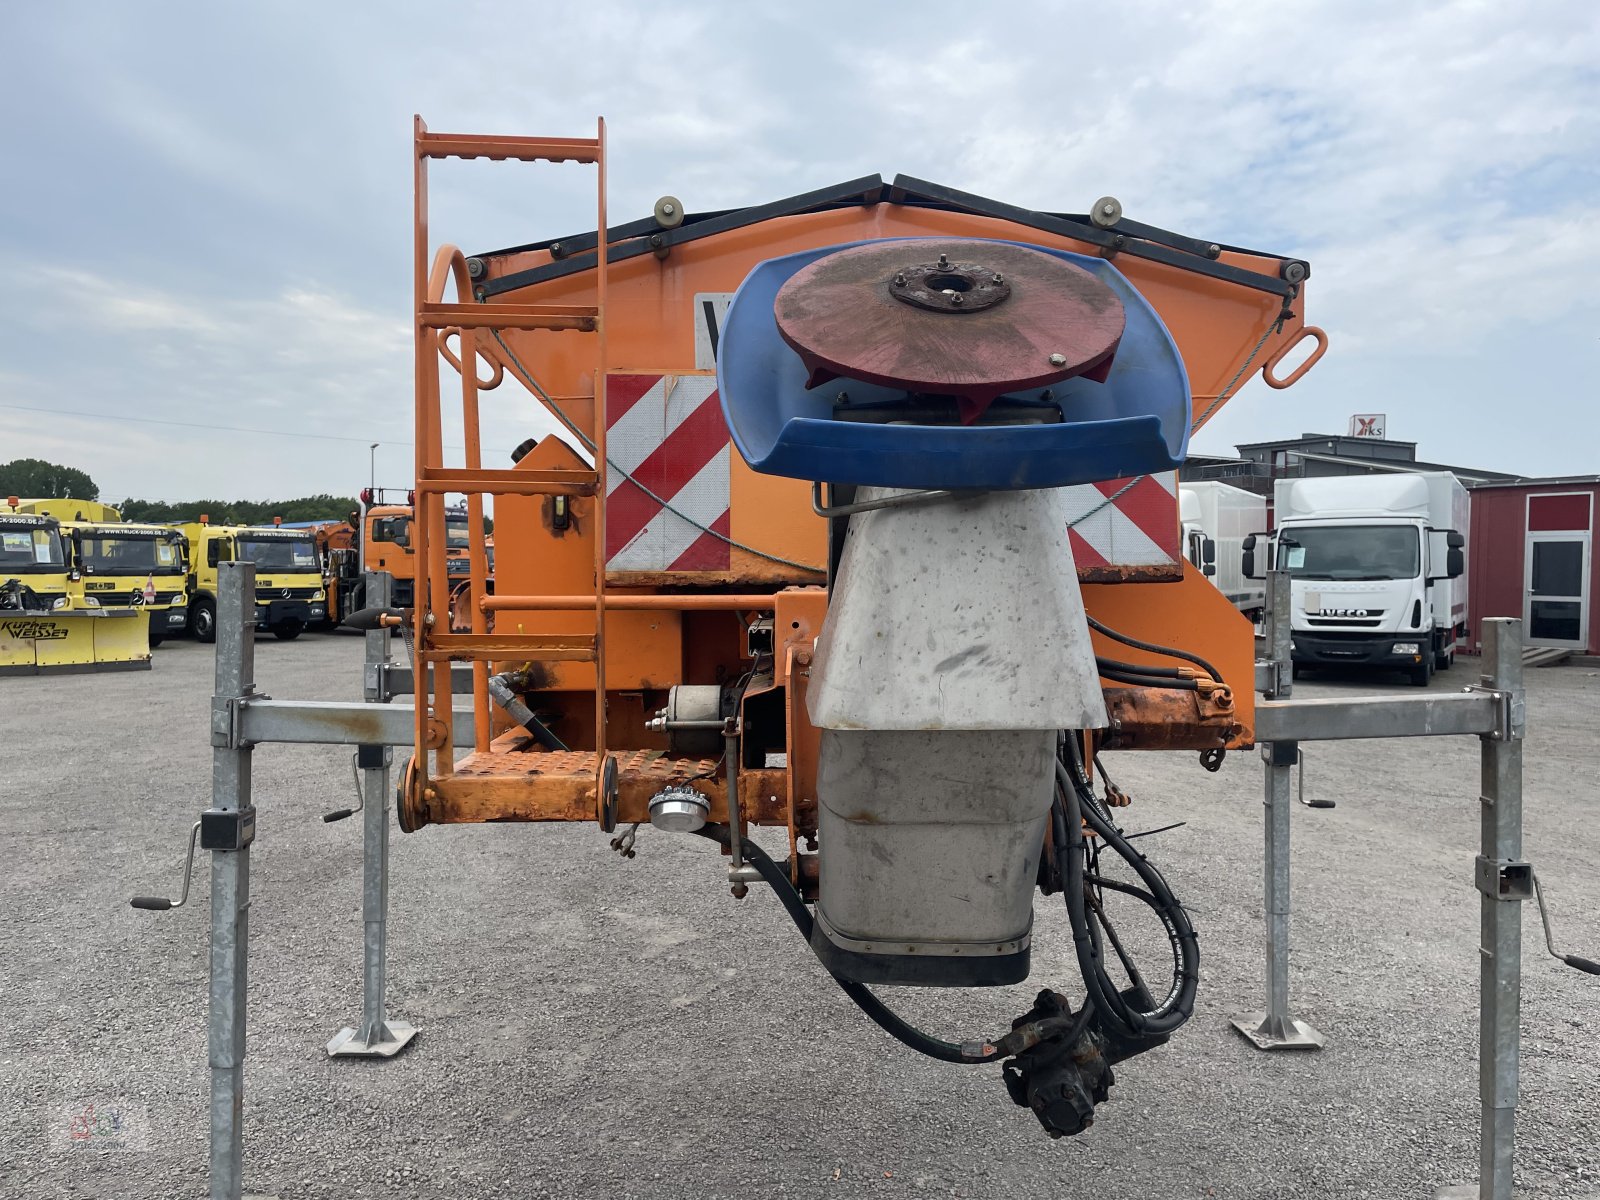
(321, 507)
(33, 477)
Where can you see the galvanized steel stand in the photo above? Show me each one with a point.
(230, 813)
(1275, 1029)
(1495, 710)
(1504, 881)
(242, 718)
(375, 1037)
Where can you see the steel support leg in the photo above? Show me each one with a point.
(230, 877)
(1275, 1029)
(374, 1037)
(1504, 881)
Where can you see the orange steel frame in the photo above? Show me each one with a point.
(599, 674)
(436, 321)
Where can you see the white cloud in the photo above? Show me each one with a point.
(1437, 163)
(307, 361)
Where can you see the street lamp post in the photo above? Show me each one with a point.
(372, 467)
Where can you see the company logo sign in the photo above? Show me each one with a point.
(34, 631)
(1369, 425)
(1342, 612)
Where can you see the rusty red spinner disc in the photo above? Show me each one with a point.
(960, 317)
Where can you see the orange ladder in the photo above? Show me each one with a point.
(437, 320)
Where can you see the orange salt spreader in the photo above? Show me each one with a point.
(859, 523)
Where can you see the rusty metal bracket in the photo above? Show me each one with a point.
(1148, 718)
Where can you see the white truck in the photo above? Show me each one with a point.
(1216, 520)
(1378, 569)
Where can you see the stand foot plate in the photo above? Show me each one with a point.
(1287, 1034)
(347, 1043)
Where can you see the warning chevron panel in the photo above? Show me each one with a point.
(668, 501)
(667, 492)
(1138, 529)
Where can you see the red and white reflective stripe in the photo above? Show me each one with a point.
(1139, 529)
(667, 433)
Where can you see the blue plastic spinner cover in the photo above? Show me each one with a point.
(1136, 422)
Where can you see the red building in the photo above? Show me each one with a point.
(1531, 555)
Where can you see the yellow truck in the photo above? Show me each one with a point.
(289, 586)
(131, 566)
(120, 564)
(33, 563)
(47, 622)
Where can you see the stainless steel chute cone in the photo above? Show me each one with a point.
(954, 651)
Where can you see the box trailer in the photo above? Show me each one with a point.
(1216, 520)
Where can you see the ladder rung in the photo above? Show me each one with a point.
(526, 149)
(441, 315)
(535, 647)
(484, 481)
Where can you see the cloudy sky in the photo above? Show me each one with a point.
(205, 209)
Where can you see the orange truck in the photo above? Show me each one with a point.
(339, 550)
(384, 544)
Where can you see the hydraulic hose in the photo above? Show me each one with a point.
(1140, 668)
(1154, 648)
(879, 1013)
(500, 689)
(1068, 818)
(1156, 681)
(1076, 805)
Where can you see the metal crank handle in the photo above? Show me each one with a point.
(1577, 962)
(339, 814)
(162, 903)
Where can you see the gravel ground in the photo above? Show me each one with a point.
(593, 1027)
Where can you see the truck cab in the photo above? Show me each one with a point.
(33, 563)
(129, 565)
(386, 545)
(1377, 568)
(289, 585)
